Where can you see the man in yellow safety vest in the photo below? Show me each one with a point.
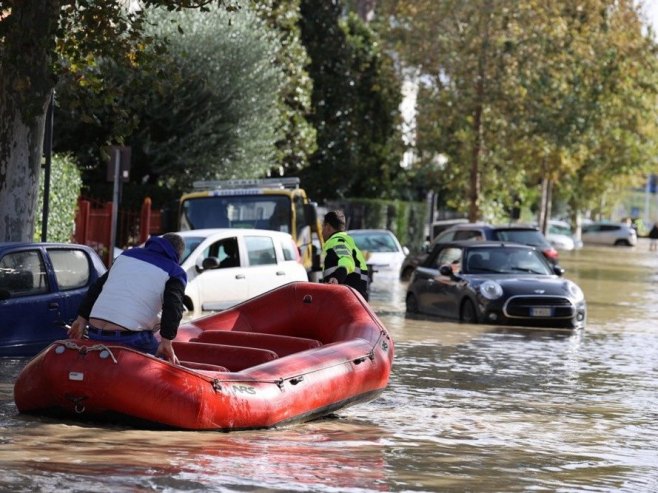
(343, 262)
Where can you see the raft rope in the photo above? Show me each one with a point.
(294, 380)
(85, 349)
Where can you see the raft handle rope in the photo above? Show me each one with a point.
(83, 350)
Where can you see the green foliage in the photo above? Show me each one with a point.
(205, 108)
(298, 141)
(40, 42)
(356, 96)
(407, 220)
(65, 185)
(220, 120)
(516, 94)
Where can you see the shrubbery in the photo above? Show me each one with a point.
(65, 186)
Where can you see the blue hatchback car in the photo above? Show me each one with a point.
(41, 287)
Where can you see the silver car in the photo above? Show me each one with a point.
(605, 233)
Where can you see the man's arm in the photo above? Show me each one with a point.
(332, 268)
(80, 323)
(172, 313)
(172, 308)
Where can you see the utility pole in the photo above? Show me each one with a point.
(48, 151)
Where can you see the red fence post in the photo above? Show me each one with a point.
(145, 220)
(107, 234)
(81, 234)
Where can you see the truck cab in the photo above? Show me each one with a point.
(277, 204)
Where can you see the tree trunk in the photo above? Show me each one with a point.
(26, 84)
(476, 154)
(19, 174)
(474, 192)
(546, 202)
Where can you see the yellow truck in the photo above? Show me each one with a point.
(277, 204)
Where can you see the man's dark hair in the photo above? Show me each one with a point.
(336, 219)
(177, 242)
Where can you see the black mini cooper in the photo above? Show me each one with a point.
(495, 283)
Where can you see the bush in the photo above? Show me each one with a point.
(65, 186)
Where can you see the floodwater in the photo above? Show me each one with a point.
(469, 408)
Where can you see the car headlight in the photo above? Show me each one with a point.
(491, 290)
(575, 291)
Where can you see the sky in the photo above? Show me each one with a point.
(651, 9)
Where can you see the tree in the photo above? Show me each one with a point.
(204, 108)
(516, 93)
(356, 96)
(63, 199)
(299, 136)
(34, 36)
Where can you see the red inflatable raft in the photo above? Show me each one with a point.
(293, 354)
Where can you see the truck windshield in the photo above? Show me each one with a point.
(262, 211)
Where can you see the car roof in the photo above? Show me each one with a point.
(208, 232)
(493, 227)
(608, 223)
(20, 244)
(351, 231)
(470, 244)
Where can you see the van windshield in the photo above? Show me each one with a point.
(271, 212)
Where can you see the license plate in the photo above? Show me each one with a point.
(541, 311)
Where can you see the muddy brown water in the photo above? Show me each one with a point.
(469, 408)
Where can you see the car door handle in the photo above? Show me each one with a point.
(240, 276)
(280, 273)
(53, 305)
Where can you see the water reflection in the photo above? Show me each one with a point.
(469, 408)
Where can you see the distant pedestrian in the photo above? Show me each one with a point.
(653, 238)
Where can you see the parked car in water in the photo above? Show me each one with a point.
(227, 266)
(527, 235)
(496, 283)
(561, 236)
(605, 233)
(384, 253)
(41, 288)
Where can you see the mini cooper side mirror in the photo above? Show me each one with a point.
(446, 270)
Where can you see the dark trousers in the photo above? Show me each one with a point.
(142, 340)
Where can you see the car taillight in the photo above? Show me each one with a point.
(298, 253)
(551, 253)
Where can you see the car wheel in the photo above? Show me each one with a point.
(468, 315)
(412, 304)
(622, 243)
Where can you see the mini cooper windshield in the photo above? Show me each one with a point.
(505, 261)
